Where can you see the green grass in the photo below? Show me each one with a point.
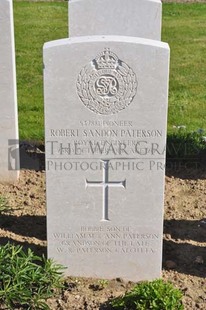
(184, 28)
(4, 207)
(156, 295)
(35, 24)
(27, 280)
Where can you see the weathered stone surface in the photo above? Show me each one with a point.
(106, 111)
(9, 150)
(137, 18)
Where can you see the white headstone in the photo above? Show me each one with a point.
(105, 126)
(136, 18)
(9, 151)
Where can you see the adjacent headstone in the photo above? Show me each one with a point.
(136, 18)
(105, 126)
(9, 150)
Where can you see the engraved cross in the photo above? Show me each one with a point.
(105, 184)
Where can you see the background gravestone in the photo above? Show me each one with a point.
(105, 126)
(137, 18)
(9, 150)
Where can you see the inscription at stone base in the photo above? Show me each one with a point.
(105, 157)
(102, 239)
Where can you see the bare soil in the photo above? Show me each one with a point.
(184, 259)
(184, 247)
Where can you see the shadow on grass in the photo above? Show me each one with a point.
(186, 156)
(32, 156)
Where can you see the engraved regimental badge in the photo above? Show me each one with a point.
(107, 85)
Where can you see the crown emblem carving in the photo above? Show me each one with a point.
(106, 60)
(106, 85)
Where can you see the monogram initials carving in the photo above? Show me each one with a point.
(107, 85)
